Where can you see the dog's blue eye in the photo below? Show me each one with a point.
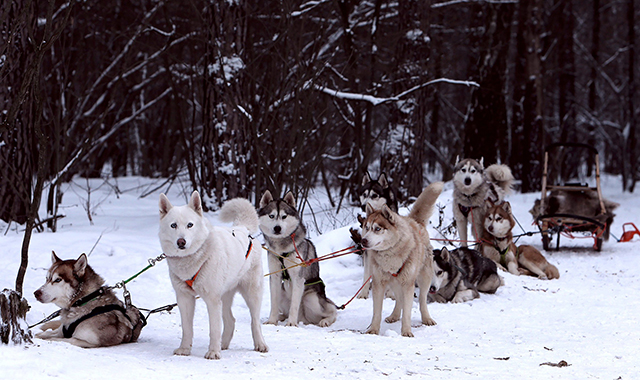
(174, 225)
(189, 225)
(378, 229)
(57, 280)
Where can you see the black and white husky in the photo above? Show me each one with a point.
(91, 315)
(473, 185)
(377, 193)
(297, 291)
(462, 273)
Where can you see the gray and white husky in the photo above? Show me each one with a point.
(297, 292)
(462, 273)
(91, 315)
(473, 186)
(214, 263)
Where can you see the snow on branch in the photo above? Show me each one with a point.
(377, 101)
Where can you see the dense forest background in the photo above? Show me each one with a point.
(243, 96)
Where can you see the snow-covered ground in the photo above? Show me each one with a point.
(588, 318)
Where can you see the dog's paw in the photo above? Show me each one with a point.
(212, 355)
(543, 277)
(429, 322)
(392, 318)
(182, 351)
(373, 331)
(363, 295)
(261, 347)
(408, 333)
(292, 324)
(271, 322)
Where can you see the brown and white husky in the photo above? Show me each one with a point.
(498, 245)
(400, 256)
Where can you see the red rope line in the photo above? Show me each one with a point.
(354, 296)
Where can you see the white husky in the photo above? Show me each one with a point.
(214, 263)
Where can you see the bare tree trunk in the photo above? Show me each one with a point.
(631, 175)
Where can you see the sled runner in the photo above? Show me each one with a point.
(573, 206)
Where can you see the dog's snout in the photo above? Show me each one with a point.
(490, 228)
(467, 181)
(433, 289)
(38, 294)
(181, 243)
(365, 243)
(277, 230)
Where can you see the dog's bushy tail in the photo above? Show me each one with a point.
(500, 175)
(423, 207)
(240, 212)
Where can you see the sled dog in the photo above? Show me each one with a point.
(497, 244)
(473, 185)
(297, 292)
(377, 192)
(462, 273)
(91, 315)
(400, 255)
(214, 263)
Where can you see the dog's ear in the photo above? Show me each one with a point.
(383, 181)
(482, 163)
(457, 160)
(196, 202)
(489, 203)
(80, 265)
(506, 206)
(368, 209)
(388, 215)
(54, 258)
(366, 179)
(444, 254)
(361, 219)
(165, 205)
(290, 199)
(266, 198)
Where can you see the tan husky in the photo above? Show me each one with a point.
(497, 244)
(400, 256)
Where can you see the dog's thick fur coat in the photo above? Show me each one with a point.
(214, 263)
(68, 283)
(297, 291)
(498, 245)
(462, 273)
(473, 185)
(400, 255)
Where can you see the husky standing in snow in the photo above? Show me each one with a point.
(297, 293)
(473, 185)
(401, 256)
(214, 263)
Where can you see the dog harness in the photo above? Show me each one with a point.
(464, 210)
(67, 331)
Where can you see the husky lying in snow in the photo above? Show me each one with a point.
(498, 245)
(91, 315)
(461, 274)
(214, 263)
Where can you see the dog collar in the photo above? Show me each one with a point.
(89, 297)
(399, 270)
(190, 282)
